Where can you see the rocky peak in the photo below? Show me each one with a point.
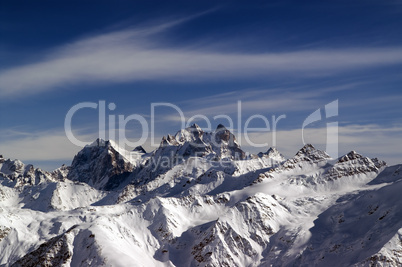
(353, 164)
(378, 163)
(164, 142)
(61, 173)
(99, 143)
(139, 149)
(220, 126)
(101, 165)
(307, 154)
(193, 141)
(272, 153)
(12, 166)
(223, 134)
(350, 156)
(21, 174)
(224, 144)
(189, 134)
(310, 153)
(363, 163)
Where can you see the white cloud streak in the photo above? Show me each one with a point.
(40, 146)
(133, 55)
(274, 101)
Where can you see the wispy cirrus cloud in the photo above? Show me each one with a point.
(40, 145)
(273, 101)
(132, 54)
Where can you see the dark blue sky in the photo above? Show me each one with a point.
(277, 57)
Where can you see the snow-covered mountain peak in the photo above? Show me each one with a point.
(18, 174)
(193, 141)
(350, 156)
(99, 142)
(224, 143)
(223, 134)
(13, 166)
(103, 164)
(354, 164)
(356, 159)
(220, 126)
(189, 134)
(272, 153)
(140, 149)
(306, 156)
(310, 153)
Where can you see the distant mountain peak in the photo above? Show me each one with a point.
(139, 149)
(272, 153)
(353, 164)
(309, 152)
(350, 156)
(195, 126)
(306, 149)
(193, 141)
(220, 126)
(99, 142)
(102, 164)
(23, 174)
(223, 134)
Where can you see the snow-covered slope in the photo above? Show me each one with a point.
(198, 200)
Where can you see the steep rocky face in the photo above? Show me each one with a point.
(55, 252)
(193, 141)
(272, 153)
(309, 153)
(139, 149)
(61, 173)
(221, 245)
(75, 247)
(186, 143)
(14, 168)
(225, 144)
(100, 165)
(190, 142)
(234, 239)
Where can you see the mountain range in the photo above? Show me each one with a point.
(200, 200)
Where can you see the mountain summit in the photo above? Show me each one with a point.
(101, 165)
(193, 141)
